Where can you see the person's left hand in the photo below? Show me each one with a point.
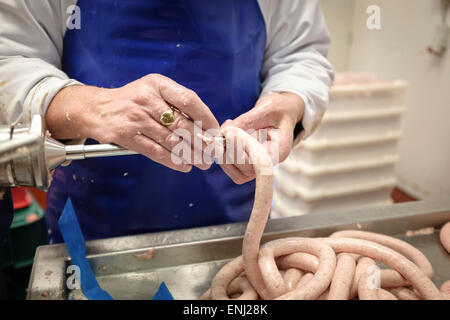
(277, 114)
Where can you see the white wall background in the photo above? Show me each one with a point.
(398, 51)
(339, 15)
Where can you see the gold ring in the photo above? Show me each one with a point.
(167, 117)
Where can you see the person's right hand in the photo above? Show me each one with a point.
(130, 117)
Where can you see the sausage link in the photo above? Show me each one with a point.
(445, 287)
(206, 295)
(223, 278)
(404, 266)
(324, 296)
(385, 295)
(361, 267)
(391, 278)
(313, 288)
(242, 288)
(317, 257)
(342, 278)
(299, 260)
(403, 293)
(444, 235)
(304, 280)
(291, 277)
(263, 166)
(366, 289)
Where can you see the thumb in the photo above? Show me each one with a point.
(227, 123)
(247, 121)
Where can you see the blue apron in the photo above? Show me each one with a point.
(215, 48)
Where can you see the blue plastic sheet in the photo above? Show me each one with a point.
(163, 293)
(73, 237)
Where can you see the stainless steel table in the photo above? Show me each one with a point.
(187, 260)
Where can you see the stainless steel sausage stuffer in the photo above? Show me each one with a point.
(27, 155)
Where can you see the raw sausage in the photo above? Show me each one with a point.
(313, 288)
(391, 278)
(343, 278)
(405, 267)
(367, 290)
(444, 235)
(306, 268)
(262, 164)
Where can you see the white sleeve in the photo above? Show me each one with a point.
(295, 57)
(31, 45)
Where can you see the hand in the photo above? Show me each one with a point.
(277, 114)
(130, 117)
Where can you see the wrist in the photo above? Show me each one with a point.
(67, 116)
(296, 106)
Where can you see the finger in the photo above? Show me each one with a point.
(235, 175)
(279, 143)
(262, 115)
(180, 124)
(154, 151)
(240, 160)
(187, 101)
(236, 162)
(228, 122)
(237, 155)
(246, 169)
(166, 138)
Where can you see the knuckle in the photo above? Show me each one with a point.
(239, 179)
(178, 122)
(270, 111)
(151, 77)
(152, 151)
(189, 97)
(171, 140)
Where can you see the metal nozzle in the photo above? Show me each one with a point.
(57, 153)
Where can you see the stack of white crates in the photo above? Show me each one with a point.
(349, 161)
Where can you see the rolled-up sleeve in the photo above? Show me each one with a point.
(31, 47)
(295, 58)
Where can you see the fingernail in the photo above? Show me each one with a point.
(204, 166)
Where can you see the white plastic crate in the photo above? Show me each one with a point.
(328, 177)
(349, 161)
(367, 97)
(356, 123)
(346, 150)
(291, 204)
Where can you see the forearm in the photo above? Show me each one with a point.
(295, 59)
